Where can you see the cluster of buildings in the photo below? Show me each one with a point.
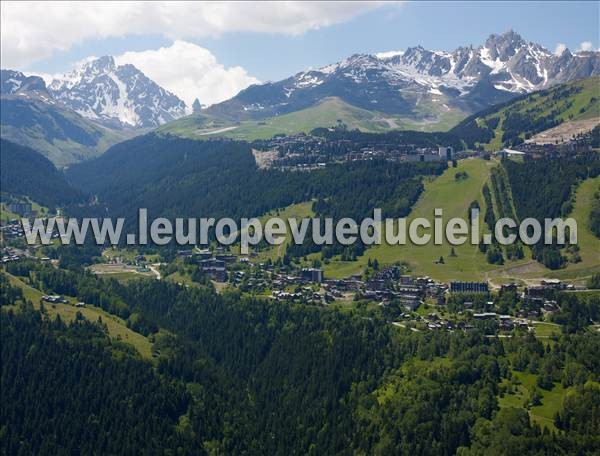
(387, 286)
(390, 285)
(542, 296)
(9, 255)
(468, 287)
(22, 209)
(535, 149)
(305, 294)
(305, 285)
(303, 152)
(410, 292)
(506, 322)
(433, 322)
(413, 154)
(13, 229)
(215, 268)
(214, 265)
(54, 299)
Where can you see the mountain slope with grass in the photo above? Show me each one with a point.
(511, 123)
(454, 197)
(328, 112)
(510, 196)
(61, 135)
(467, 78)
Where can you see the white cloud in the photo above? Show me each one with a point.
(47, 77)
(560, 48)
(586, 46)
(34, 30)
(190, 72)
(388, 54)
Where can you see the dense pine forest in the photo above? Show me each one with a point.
(25, 172)
(66, 389)
(392, 138)
(239, 375)
(595, 214)
(554, 180)
(174, 177)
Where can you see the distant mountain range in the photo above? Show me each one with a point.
(30, 116)
(419, 83)
(116, 94)
(80, 114)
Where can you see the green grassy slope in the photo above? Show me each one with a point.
(588, 243)
(454, 198)
(575, 100)
(195, 126)
(323, 114)
(61, 135)
(294, 211)
(117, 328)
(551, 401)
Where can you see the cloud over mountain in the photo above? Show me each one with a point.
(34, 30)
(190, 71)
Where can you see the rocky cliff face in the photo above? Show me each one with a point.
(116, 94)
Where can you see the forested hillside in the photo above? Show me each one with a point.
(25, 172)
(95, 396)
(240, 375)
(543, 188)
(174, 177)
(595, 214)
(416, 138)
(511, 123)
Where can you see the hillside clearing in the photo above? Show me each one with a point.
(454, 197)
(117, 327)
(565, 131)
(589, 244)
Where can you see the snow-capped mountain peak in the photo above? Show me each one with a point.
(16, 83)
(509, 62)
(116, 95)
(503, 47)
(416, 81)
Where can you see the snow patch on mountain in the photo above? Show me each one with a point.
(413, 81)
(116, 95)
(513, 64)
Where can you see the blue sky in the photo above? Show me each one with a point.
(213, 50)
(434, 25)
